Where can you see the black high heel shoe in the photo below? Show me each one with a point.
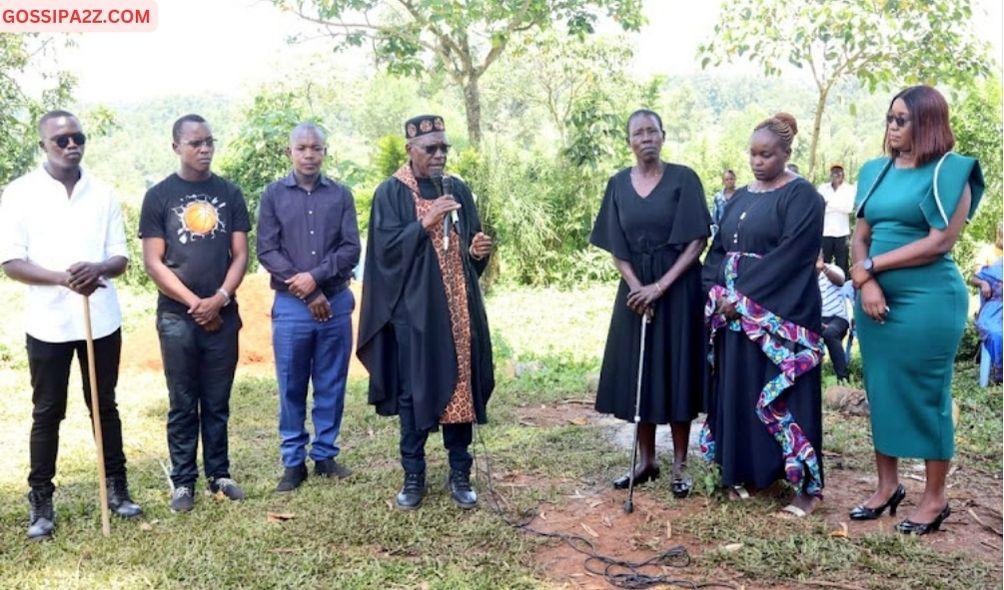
(908, 527)
(623, 482)
(863, 512)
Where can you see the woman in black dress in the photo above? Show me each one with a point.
(655, 222)
(764, 309)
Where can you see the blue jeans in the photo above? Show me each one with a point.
(308, 350)
(199, 367)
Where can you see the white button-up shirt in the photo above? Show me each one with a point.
(839, 205)
(38, 223)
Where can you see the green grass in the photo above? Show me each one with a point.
(346, 535)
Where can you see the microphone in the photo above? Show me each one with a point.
(442, 186)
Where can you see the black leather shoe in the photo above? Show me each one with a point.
(863, 512)
(119, 500)
(624, 482)
(461, 491)
(411, 494)
(292, 477)
(41, 516)
(908, 527)
(331, 468)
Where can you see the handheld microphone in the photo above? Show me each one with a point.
(438, 182)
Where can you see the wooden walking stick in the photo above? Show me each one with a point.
(96, 419)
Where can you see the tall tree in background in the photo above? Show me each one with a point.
(21, 55)
(463, 38)
(882, 44)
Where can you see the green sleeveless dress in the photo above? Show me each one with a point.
(908, 361)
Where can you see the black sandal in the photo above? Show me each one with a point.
(623, 482)
(681, 486)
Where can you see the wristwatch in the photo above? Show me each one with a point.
(868, 264)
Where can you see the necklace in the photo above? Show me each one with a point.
(755, 201)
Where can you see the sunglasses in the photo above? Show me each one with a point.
(208, 142)
(436, 147)
(900, 121)
(79, 139)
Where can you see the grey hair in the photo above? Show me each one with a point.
(307, 126)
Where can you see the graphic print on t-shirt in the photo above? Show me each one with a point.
(200, 217)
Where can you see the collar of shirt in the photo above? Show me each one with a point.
(290, 181)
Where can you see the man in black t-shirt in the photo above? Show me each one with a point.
(194, 228)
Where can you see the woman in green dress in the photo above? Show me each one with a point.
(912, 303)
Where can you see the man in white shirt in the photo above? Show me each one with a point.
(61, 233)
(839, 199)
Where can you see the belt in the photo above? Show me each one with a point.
(332, 289)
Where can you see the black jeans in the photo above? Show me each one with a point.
(49, 365)
(199, 367)
(837, 250)
(834, 330)
(456, 437)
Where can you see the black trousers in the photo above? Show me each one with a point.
(834, 330)
(838, 250)
(199, 367)
(456, 437)
(49, 365)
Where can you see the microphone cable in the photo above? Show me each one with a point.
(619, 573)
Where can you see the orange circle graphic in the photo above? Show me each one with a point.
(200, 218)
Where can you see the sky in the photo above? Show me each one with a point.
(226, 46)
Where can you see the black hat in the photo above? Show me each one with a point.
(423, 124)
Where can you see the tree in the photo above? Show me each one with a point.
(881, 44)
(21, 54)
(462, 38)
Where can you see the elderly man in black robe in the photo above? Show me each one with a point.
(423, 333)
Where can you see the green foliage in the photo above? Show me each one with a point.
(22, 54)
(389, 155)
(135, 274)
(976, 122)
(879, 44)
(410, 38)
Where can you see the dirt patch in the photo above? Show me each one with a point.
(142, 350)
(598, 516)
(578, 412)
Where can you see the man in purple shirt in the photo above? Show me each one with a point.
(308, 240)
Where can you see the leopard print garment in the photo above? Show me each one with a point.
(460, 409)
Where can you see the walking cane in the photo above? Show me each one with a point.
(96, 419)
(629, 504)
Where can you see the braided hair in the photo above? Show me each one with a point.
(781, 125)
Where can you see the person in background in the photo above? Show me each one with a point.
(839, 197)
(721, 200)
(835, 320)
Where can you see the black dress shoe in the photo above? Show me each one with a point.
(292, 477)
(863, 512)
(461, 491)
(119, 500)
(908, 527)
(411, 494)
(41, 516)
(623, 482)
(681, 486)
(331, 468)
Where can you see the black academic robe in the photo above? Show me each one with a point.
(403, 291)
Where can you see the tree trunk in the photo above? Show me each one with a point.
(817, 122)
(472, 104)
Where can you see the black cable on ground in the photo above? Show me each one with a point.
(629, 575)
